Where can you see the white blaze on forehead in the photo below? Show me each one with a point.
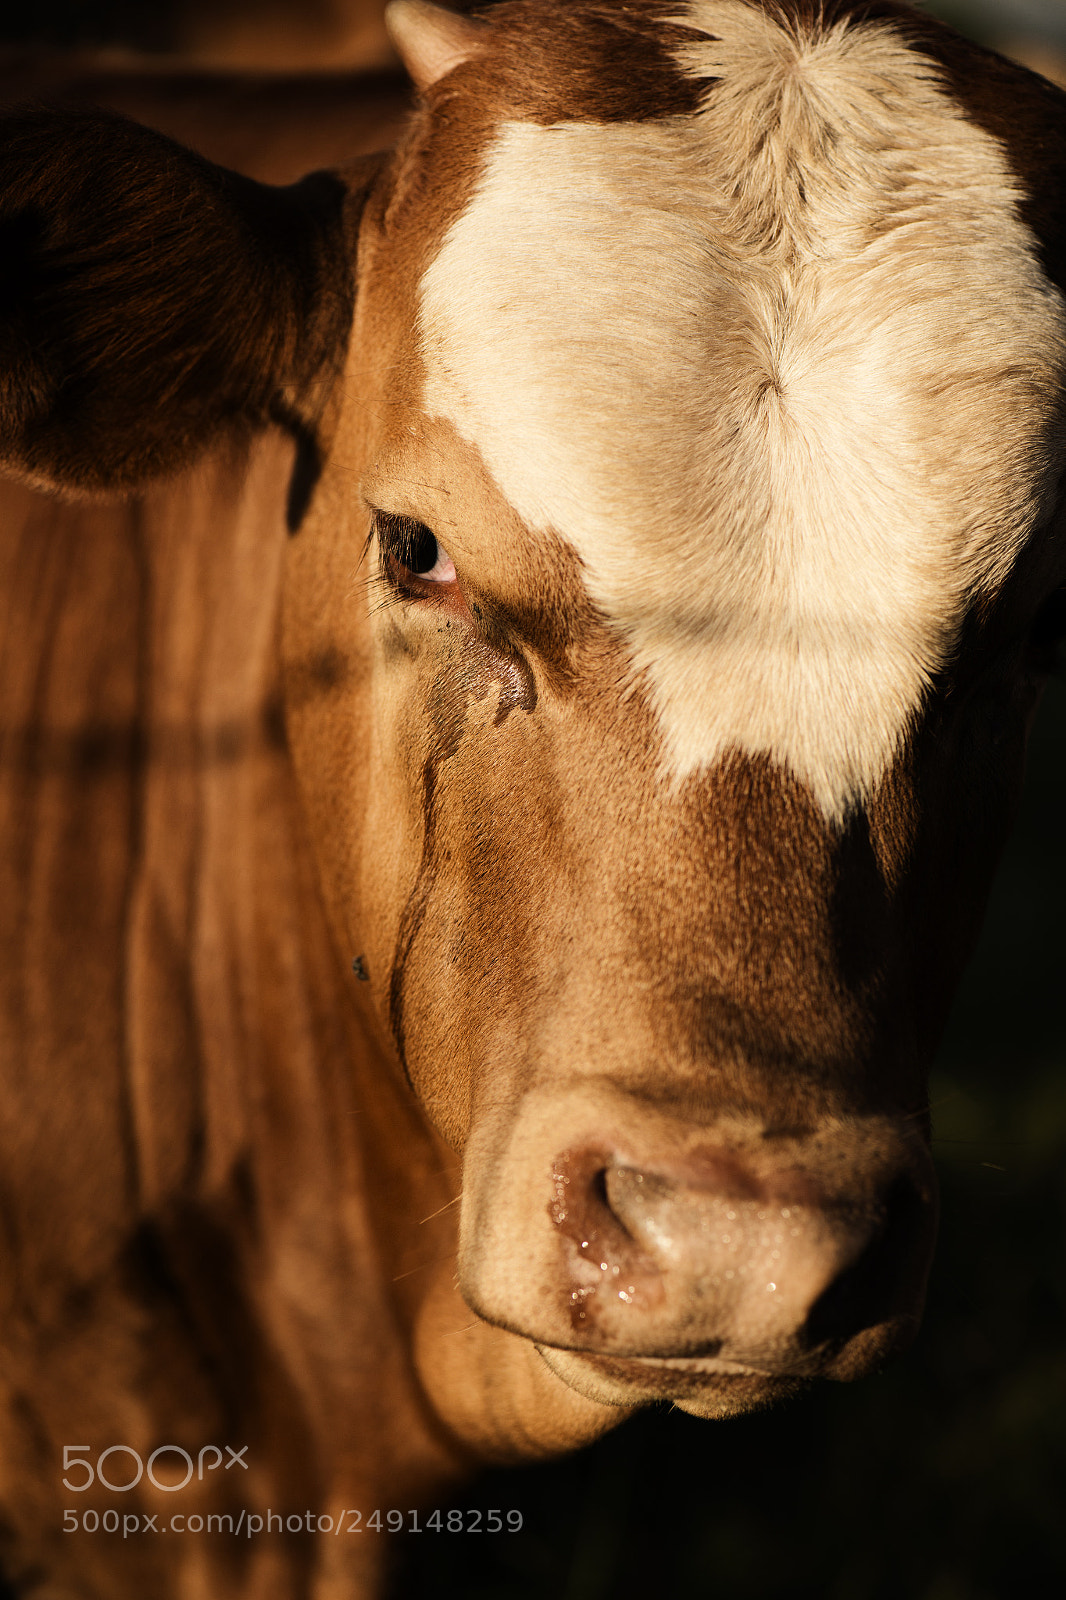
(785, 374)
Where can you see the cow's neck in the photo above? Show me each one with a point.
(237, 1105)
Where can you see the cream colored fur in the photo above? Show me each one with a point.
(786, 374)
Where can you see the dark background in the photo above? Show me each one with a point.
(943, 1478)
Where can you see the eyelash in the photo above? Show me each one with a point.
(409, 551)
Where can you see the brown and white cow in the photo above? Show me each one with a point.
(586, 812)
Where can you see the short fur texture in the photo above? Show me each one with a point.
(744, 378)
(149, 299)
(283, 833)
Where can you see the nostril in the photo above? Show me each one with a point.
(606, 1265)
(582, 1205)
(884, 1280)
(858, 1298)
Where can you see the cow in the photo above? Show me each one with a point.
(517, 658)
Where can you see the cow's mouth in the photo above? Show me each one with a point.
(704, 1385)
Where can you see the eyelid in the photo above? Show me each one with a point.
(394, 531)
(447, 566)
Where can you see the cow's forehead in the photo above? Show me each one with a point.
(785, 372)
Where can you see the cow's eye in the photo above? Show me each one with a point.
(411, 554)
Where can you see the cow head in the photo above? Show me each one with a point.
(663, 629)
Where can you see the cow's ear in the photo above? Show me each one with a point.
(149, 299)
(430, 40)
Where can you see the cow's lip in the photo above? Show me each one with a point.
(705, 1385)
(714, 1366)
(711, 1366)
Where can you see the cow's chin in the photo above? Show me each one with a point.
(706, 1388)
(711, 1386)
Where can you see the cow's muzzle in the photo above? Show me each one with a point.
(715, 1263)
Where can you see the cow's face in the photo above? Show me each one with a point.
(661, 646)
(708, 519)
(661, 639)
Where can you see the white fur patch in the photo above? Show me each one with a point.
(786, 374)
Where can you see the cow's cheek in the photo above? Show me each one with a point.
(391, 873)
(327, 663)
(971, 772)
(473, 926)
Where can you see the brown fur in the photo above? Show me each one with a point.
(224, 1216)
(151, 299)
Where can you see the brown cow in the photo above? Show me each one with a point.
(586, 813)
